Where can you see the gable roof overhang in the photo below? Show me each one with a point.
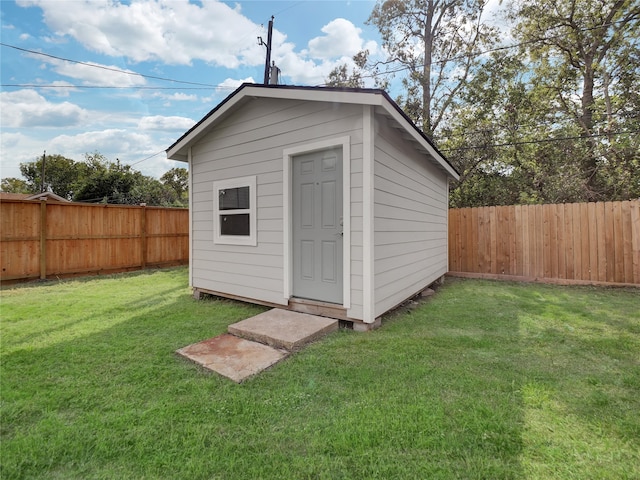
(377, 98)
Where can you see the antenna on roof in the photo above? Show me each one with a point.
(267, 63)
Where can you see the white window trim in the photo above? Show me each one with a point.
(252, 238)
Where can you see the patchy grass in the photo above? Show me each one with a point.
(485, 380)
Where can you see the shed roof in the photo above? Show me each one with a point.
(362, 96)
(35, 196)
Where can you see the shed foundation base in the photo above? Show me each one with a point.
(366, 327)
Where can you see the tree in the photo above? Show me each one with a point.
(584, 56)
(15, 185)
(481, 136)
(341, 77)
(105, 181)
(97, 179)
(61, 176)
(438, 43)
(176, 181)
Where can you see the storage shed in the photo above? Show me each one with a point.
(321, 200)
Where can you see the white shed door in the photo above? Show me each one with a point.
(317, 226)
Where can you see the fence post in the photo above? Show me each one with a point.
(143, 235)
(43, 239)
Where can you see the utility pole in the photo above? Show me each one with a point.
(267, 63)
(44, 157)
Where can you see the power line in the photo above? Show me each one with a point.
(146, 158)
(102, 67)
(544, 140)
(484, 52)
(112, 87)
(555, 122)
(117, 70)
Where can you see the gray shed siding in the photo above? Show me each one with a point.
(250, 141)
(410, 220)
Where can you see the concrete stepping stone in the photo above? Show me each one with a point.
(255, 344)
(284, 328)
(233, 357)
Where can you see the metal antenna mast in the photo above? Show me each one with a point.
(267, 62)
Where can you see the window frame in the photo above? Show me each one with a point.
(218, 237)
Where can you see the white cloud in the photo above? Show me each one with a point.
(61, 88)
(129, 147)
(173, 31)
(27, 108)
(232, 83)
(158, 122)
(16, 148)
(104, 141)
(342, 38)
(177, 97)
(494, 15)
(224, 88)
(95, 74)
(181, 32)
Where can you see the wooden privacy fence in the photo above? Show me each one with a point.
(46, 239)
(582, 243)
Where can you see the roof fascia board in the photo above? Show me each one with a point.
(316, 95)
(248, 90)
(173, 152)
(415, 135)
(373, 97)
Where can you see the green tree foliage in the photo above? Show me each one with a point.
(585, 65)
(62, 175)
(105, 182)
(14, 185)
(176, 180)
(342, 77)
(98, 180)
(437, 42)
(555, 120)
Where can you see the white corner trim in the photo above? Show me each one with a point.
(190, 184)
(346, 223)
(368, 258)
(446, 208)
(287, 179)
(287, 227)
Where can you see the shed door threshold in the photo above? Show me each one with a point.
(315, 307)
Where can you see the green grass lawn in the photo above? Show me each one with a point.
(484, 380)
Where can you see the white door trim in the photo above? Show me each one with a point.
(287, 158)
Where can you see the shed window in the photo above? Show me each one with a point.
(235, 211)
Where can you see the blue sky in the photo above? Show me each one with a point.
(210, 42)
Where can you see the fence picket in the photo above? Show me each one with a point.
(78, 238)
(564, 243)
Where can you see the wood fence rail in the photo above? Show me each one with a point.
(579, 243)
(588, 243)
(41, 239)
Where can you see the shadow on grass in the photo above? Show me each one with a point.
(579, 377)
(395, 403)
(85, 323)
(103, 404)
(448, 390)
